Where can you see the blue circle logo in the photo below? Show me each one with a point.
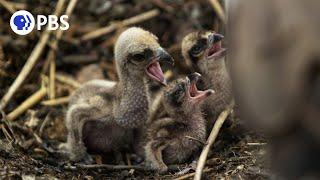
(22, 22)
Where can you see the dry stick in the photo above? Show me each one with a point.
(257, 144)
(59, 6)
(195, 139)
(32, 100)
(190, 175)
(51, 56)
(111, 167)
(113, 26)
(52, 73)
(119, 167)
(67, 80)
(219, 10)
(44, 123)
(212, 137)
(8, 6)
(35, 54)
(55, 102)
(18, 5)
(8, 124)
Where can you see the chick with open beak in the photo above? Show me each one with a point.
(103, 120)
(202, 46)
(140, 57)
(203, 52)
(169, 139)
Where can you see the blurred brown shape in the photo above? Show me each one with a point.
(275, 59)
(90, 72)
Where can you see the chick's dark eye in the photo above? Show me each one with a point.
(138, 57)
(181, 87)
(197, 49)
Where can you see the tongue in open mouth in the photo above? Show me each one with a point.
(215, 51)
(154, 71)
(197, 95)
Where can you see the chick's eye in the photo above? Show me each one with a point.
(181, 87)
(180, 91)
(196, 49)
(138, 57)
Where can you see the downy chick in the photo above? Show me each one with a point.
(101, 119)
(203, 52)
(175, 138)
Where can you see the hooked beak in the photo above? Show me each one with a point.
(215, 37)
(164, 56)
(194, 77)
(215, 50)
(154, 70)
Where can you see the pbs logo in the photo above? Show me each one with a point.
(22, 22)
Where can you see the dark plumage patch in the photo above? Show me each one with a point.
(175, 96)
(177, 126)
(148, 53)
(106, 97)
(196, 49)
(141, 56)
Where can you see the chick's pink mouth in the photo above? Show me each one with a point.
(197, 95)
(154, 71)
(216, 51)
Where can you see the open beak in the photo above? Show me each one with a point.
(194, 94)
(215, 50)
(154, 70)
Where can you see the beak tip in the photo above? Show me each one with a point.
(164, 82)
(194, 76)
(210, 92)
(197, 74)
(215, 37)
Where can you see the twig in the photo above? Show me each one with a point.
(42, 144)
(256, 144)
(18, 5)
(219, 10)
(6, 133)
(80, 59)
(55, 102)
(195, 139)
(44, 123)
(52, 73)
(117, 167)
(113, 26)
(163, 5)
(67, 80)
(8, 6)
(51, 56)
(111, 167)
(32, 100)
(190, 175)
(59, 6)
(35, 54)
(212, 137)
(8, 124)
